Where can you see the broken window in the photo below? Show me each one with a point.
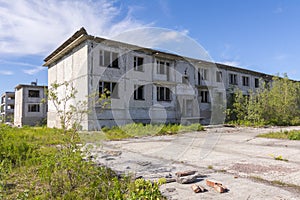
(162, 66)
(110, 87)
(108, 59)
(245, 81)
(185, 79)
(163, 94)
(204, 74)
(233, 79)
(204, 96)
(219, 76)
(256, 82)
(34, 93)
(139, 92)
(33, 108)
(138, 63)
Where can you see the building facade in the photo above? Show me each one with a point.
(146, 85)
(7, 107)
(29, 108)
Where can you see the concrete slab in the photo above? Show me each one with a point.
(234, 156)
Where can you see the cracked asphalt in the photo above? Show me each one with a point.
(235, 157)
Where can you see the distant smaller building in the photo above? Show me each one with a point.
(29, 108)
(7, 107)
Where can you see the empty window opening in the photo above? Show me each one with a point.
(245, 81)
(163, 94)
(204, 96)
(109, 88)
(138, 63)
(33, 108)
(109, 59)
(139, 92)
(34, 93)
(233, 79)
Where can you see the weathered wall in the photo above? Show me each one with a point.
(22, 116)
(73, 69)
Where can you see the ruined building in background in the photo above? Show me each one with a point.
(7, 107)
(147, 85)
(29, 109)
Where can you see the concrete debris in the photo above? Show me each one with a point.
(216, 185)
(187, 179)
(185, 173)
(220, 188)
(143, 163)
(198, 188)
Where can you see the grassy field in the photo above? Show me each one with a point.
(290, 135)
(44, 163)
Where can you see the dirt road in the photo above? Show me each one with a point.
(244, 163)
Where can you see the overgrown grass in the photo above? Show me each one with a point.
(36, 163)
(290, 135)
(140, 130)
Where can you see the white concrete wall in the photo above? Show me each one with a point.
(82, 67)
(21, 114)
(73, 69)
(18, 107)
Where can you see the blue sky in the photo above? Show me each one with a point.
(262, 35)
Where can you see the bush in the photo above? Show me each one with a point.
(42, 163)
(276, 103)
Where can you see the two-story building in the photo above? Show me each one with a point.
(147, 85)
(7, 106)
(29, 106)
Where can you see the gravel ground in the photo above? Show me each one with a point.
(235, 157)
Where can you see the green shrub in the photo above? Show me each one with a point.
(42, 163)
(291, 135)
(140, 130)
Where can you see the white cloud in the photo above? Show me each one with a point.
(167, 40)
(34, 70)
(231, 63)
(6, 72)
(38, 27)
(278, 10)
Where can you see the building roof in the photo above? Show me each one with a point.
(32, 86)
(81, 36)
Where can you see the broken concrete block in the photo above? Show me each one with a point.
(187, 179)
(198, 188)
(170, 180)
(185, 173)
(216, 185)
(220, 188)
(211, 183)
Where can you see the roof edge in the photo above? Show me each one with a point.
(74, 37)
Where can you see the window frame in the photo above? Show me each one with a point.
(256, 82)
(113, 59)
(162, 69)
(233, 79)
(113, 88)
(30, 92)
(204, 93)
(137, 66)
(139, 92)
(163, 93)
(31, 108)
(245, 80)
(219, 76)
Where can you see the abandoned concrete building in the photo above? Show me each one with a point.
(7, 107)
(147, 85)
(29, 108)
